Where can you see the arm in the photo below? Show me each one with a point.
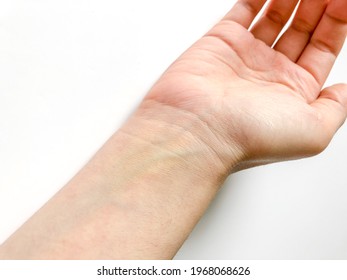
(138, 198)
(228, 103)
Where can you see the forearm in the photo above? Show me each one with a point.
(138, 198)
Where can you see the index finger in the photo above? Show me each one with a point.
(327, 41)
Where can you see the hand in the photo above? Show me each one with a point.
(263, 100)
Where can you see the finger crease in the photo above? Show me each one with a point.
(323, 46)
(275, 17)
(336, 20)
(302, 26)
(250, 7)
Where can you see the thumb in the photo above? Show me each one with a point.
(331, 107)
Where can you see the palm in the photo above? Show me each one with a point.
(268, 100)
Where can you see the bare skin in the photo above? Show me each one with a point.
(236, 99)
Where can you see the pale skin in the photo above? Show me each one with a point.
(232, 101)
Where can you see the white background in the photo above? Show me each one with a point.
(71, 71)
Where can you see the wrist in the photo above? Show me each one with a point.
(186, 135)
